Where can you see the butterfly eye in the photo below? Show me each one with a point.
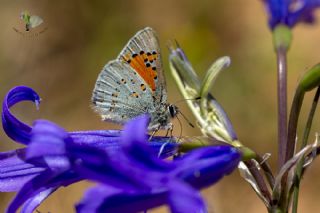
(173, 110)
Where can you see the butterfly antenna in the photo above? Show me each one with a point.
(180, 128)
(187, 99)
(179, 112)
(185, 118)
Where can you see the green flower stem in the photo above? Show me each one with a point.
(304, 143)
(290, 143)
(293, 121)
(189, 143)
(308, 82)
(282, 38)
(282, 105)
(275, 210)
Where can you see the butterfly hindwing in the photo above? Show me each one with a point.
(120, 93)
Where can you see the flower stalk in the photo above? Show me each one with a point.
(282, 39)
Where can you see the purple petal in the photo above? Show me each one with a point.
(288, 12)
(112, 200)
(14, 171)
(30, 189)
(34, 202)
(94, 198)
(48, 146)
(205, 166)
(137, 159)
(46, 180)
(95, 164)
(15, 129)
(135, 144)
(183, 198)
(110, 139)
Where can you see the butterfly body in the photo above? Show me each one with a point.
(134, 84)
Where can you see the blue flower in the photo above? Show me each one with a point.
(125, 165)
(290, 12)
(16, 171)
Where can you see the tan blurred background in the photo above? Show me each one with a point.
(62, 65)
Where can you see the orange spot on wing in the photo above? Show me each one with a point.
(144, 69)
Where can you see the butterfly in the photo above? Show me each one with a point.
(31, 21)
(134, 84)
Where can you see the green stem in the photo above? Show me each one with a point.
(293, 121)
(304, 143)
(290, 143)
(282, 38)
(282, 104)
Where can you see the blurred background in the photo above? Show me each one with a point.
(62, 65)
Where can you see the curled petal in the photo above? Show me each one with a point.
(15, 129)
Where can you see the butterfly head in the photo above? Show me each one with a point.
(173, 110)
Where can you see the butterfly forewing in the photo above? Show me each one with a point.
(142, 53)
(35, 21)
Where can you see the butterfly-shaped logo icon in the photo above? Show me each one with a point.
(134, 84)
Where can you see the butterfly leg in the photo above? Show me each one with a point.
(154, 132)
(169, 129)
